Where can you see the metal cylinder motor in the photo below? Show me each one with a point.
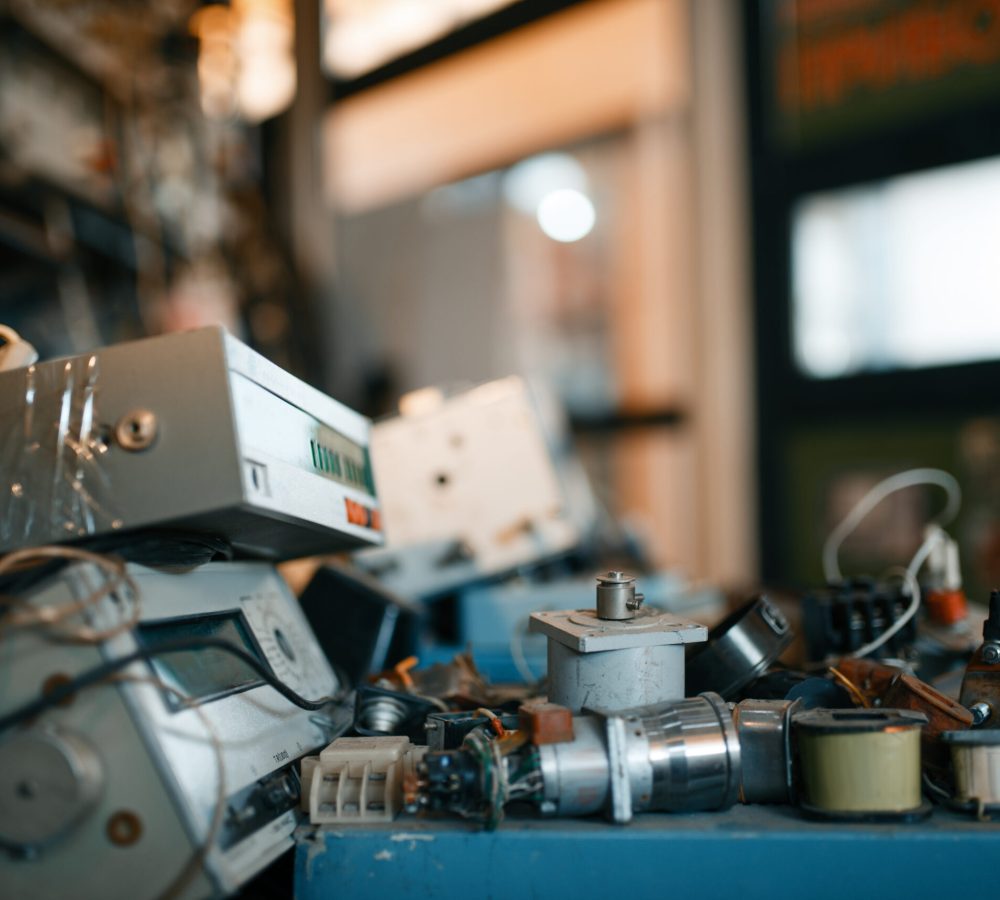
(676, 757)
(616, 596)
(577, 774)
(618, 655)
(617, 679)
(695, 753)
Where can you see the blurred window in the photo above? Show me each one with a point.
(504, 272)
(898, 274)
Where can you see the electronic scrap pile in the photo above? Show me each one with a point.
(643, 710)
(158, 679)
(167, 704)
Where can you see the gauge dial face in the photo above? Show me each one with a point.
(48, 782)
(289, 648)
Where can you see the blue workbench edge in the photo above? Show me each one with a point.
(746, 853)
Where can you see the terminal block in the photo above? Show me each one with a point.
(358, 780)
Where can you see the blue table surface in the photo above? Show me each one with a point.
(747, 852)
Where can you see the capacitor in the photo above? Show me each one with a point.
(860, 764)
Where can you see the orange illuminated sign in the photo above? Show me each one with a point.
(866, 62)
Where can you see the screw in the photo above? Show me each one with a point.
(991, 654)
(635, 602)
(136, 430)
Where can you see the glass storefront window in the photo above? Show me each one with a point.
(898, 274)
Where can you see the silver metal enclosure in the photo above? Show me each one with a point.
(143, 781)
(191, 432)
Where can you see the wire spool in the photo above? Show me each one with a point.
(975, 758)
(861, 764)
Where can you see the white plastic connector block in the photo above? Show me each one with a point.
(358, 780)
(306, 769)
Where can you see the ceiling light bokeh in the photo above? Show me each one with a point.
(566, 215)
(246, 58)
(530, 181)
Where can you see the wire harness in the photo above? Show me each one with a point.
(935, 535)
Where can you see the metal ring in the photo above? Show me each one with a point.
(739, 649)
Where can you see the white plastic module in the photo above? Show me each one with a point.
(358, 780)
(473, 474)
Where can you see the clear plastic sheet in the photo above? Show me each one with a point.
(53, 453)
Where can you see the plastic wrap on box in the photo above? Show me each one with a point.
(51, 454)
(188, 441)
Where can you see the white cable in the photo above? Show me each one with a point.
(909, 478)
(914, 590)
(910, 580)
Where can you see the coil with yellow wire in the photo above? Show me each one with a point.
(860, 764)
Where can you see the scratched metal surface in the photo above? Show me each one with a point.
(747, 853)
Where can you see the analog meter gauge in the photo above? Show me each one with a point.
(286, 642)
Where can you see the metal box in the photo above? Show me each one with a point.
(470, 488)
(177, 776)
(190, 432)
